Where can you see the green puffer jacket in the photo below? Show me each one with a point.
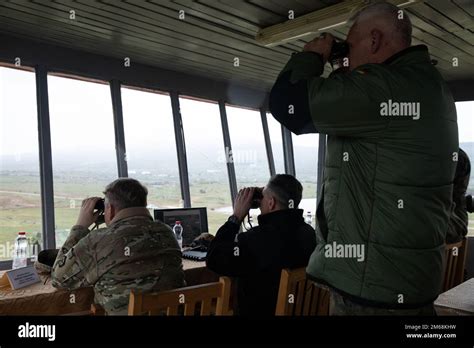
(387, 189)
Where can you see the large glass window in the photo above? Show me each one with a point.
(305, 149)
(248, 150)
(20, 193)
(151, 146)
(274, 128)
(248, 147)
(83, 146)
(207, 165)
(465, 111)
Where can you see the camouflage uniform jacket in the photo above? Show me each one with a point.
(133, 252)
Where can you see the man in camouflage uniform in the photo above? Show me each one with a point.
(132, 252)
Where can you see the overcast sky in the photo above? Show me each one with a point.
(82, 123)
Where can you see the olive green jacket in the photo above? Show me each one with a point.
(388, 175)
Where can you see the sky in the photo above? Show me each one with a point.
(82, 125)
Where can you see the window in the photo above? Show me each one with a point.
(207, 165)
(465, 111)
(20, 192)
(274, 128)
(151, 146)
(305, 148)
(83, 146)
(248, 150)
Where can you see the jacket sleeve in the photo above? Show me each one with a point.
(75, 265)
(289, 96)
(344, 104)
(229, 253)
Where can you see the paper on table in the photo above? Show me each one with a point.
(20, 278)
(460, 297)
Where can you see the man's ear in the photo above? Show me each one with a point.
(376, 37)
(272, 203)
(112, 210)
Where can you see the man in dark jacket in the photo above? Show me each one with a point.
(391, 154)
(457, 228)
(281, 240)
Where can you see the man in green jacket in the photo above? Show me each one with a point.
(392, 148)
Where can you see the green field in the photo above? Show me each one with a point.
(20, 203)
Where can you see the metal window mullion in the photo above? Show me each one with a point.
(321, 160)
(288, 151)
(181, 150)
(120, 148)
(268, 143)
(228, 152)
(45, 159)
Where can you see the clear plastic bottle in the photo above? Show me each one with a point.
(34, 250)
(308, 218)
(20, 256)
(178, 232)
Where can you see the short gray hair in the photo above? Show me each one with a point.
(126, 193)
(401, 27)
(285, 188)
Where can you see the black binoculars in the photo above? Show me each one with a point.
(100, 208)
(257, 198)
(339, 51)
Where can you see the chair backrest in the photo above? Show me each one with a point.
(171, 302)
(454, 264)
(97, 310)
(299, 296)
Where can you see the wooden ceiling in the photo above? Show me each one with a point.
(215, 32)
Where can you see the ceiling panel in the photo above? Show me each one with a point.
(215, 32)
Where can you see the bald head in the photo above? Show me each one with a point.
(378, 31)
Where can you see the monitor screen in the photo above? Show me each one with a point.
(193, 220)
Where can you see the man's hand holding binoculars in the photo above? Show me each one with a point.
(87, 216)
(322, 45)
(243, 202)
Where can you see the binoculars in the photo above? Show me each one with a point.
(257, 198)
(100, 207)
(339, 51)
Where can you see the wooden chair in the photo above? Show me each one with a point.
(300, 296)
(171, 302)
(454, 264)
(97, 310)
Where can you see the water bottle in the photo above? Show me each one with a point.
(20, 255)
(34, 251)
(178, 232)
(309, 218)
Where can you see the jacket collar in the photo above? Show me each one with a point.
(131, 212)
(279, 217)
(410, 55)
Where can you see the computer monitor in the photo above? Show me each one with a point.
(193, 220)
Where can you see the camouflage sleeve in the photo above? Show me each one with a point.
(75, 264)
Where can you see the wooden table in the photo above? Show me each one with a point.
(43, 299)
(457, 301)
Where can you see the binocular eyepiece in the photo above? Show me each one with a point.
(100, 208)
(257, 198)
(339, 51)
